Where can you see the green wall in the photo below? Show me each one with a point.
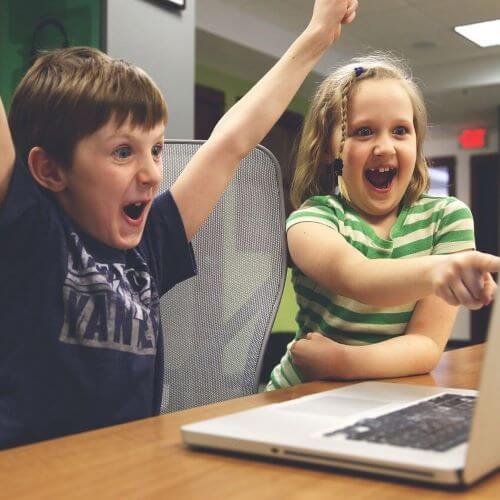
(234, 88)
(285, 318)
(18, 18)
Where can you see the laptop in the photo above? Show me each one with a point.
(431, 434)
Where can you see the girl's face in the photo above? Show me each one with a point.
(380, 148)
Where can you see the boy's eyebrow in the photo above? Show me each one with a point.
(128, 136)
(116, 134)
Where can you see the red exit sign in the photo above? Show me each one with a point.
(473, 138)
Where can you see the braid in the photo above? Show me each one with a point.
(338, 163)
(343, 115)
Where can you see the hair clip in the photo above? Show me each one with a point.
(359, 70)
(338, 166)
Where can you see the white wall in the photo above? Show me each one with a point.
(443, 141)
(162, 42)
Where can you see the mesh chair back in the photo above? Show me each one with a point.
(216, 325)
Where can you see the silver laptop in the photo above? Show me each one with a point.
(431, 434)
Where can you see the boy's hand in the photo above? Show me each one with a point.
(318, 357)
(464, 279)
(329, 15)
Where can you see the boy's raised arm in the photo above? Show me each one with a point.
(204, 179)
(7, 154)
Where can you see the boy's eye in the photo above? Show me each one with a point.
(363, 132)
(400, 130)
(157, 150)
(122, 153)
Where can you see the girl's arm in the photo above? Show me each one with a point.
(7, 154)
(206, 176)
(416, 352)
(328, 259)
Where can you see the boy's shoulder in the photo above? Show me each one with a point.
(29, 216)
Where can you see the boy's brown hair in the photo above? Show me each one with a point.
(70, 93)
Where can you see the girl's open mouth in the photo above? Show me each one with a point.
(380, 178)
(134, 210)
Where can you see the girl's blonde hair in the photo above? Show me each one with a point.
(313, 175)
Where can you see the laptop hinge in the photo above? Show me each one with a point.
(341, 461)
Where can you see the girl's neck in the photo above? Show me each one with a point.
(381, 224)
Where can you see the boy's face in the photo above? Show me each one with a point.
(112, 182)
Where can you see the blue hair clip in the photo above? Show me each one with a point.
(359, 70)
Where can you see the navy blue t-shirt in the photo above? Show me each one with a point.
(80, 339)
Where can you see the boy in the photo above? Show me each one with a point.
(86, 250)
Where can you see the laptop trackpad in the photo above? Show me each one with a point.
(335, 406)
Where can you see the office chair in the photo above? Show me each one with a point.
(216, 325)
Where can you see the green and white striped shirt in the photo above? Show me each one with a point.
(432, 225)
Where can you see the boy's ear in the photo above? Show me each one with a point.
(47, 172)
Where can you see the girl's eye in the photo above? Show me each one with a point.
(157, 150)
(363, 132)
(122, 153)
(400, 130)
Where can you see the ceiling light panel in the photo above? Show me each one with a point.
(486, 34)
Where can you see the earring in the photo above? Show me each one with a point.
(338, 166)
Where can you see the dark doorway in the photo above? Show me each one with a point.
(209, 108)
(282, 140)
(485, 206)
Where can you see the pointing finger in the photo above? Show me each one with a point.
(489, 263)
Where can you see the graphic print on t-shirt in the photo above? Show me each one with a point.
(107, 305)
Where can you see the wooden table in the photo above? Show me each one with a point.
(146, 459)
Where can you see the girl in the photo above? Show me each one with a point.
(377, 272)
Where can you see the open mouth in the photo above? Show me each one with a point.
(134, 210)
(380, 178)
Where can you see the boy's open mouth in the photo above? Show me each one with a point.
(134, 210)
(380, 178)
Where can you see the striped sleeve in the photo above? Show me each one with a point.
(455, 231)
(285, 374)
(319, 209)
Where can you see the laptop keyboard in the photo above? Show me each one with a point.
(436, 424)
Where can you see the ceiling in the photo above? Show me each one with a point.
(460, 80)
